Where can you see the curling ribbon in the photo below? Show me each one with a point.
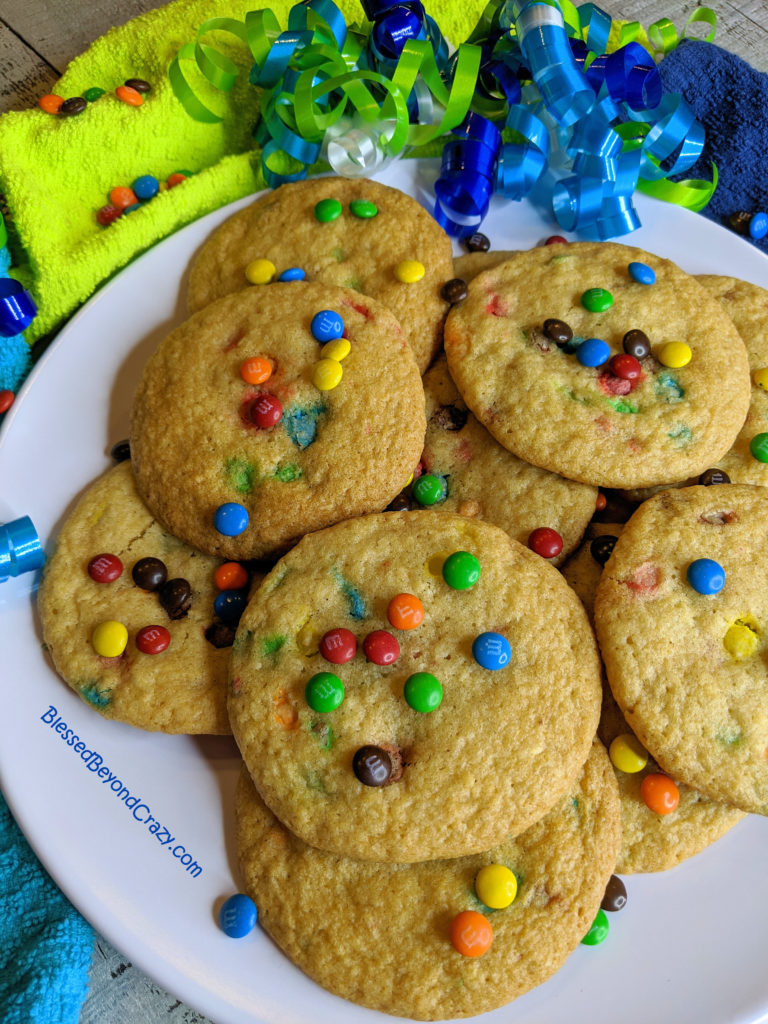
(17, 308)
(594, 118)
(316, 73)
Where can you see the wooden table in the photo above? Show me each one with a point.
(37, 40)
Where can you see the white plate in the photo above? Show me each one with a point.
(690, 945)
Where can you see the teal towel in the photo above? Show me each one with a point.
(45, 944)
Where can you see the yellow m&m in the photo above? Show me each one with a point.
(109, 639)
(337, 349)
(760, 377)
(675, 354)
(628, 754)
(260, 271)
(496, 886)
(326, 374)
(409, 271)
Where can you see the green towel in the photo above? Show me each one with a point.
(56, 171)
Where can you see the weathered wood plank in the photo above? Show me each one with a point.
(61, 31)
(742, 25)
(24, 76)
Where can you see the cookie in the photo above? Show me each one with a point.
(446, 738)
(680, 613)
(359, 251)
(378, 934)
(747, 306)
(293, 451)
(466, 470)
(650, 841)
(574, 409)
(88, 580)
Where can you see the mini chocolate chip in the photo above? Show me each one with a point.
(372, 766)
(558, 331)
(176, 597)
(75, 105)
(139, 84)
(615, 897)
(149, 573)
(121, 451)
(714, 476)
(636, 344)
(449, 417)
(220, 635)
(401, 503)
(601, 548)
(455, 290)
(739, 221)
(477, 242)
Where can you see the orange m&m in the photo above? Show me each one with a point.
(659, 793)
(471, 933)
(50, 103)
(405, 611)
(122, 197)
(230, 576)
(128, 95)
(255, 370)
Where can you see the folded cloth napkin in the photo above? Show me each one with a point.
(730, 99)
(45, 944)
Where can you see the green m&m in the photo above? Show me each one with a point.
(423, 692)
(596, 300)
(429, 489)
(759, 447)
(598, 932)
(363, 208)
(461, 570)
(324, 692)
(327, 210)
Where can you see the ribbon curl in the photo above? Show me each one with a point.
(592, 128)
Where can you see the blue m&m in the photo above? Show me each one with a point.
(326, 325)
(231, 519)
(292, 274)
(593, 352)
(758, 226)
(642, 273)
(706, 576)
(238, 915)
(230, 605)
(491, 651)
(146, 187)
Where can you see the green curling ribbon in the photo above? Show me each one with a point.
(693, 193)
(216, 67)
(663, 35)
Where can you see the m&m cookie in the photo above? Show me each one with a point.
(575, 365)
(134, 619)
(274, 412)
(355, 234)
(419, 940)
(412, 685)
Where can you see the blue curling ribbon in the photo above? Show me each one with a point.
(17, 308)
(521, 165)
(540, 29)
(20, 548)
(464, 188)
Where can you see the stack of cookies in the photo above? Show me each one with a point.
(380, 565)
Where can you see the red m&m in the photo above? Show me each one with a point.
(381, 647)
(153, 639)
(266, 411)
(338, 646)
(105, 568)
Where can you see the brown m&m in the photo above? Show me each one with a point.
(372, 766)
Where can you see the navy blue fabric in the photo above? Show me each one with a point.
(730, 99)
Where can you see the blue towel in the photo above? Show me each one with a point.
(45, 944)
(730, 99)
